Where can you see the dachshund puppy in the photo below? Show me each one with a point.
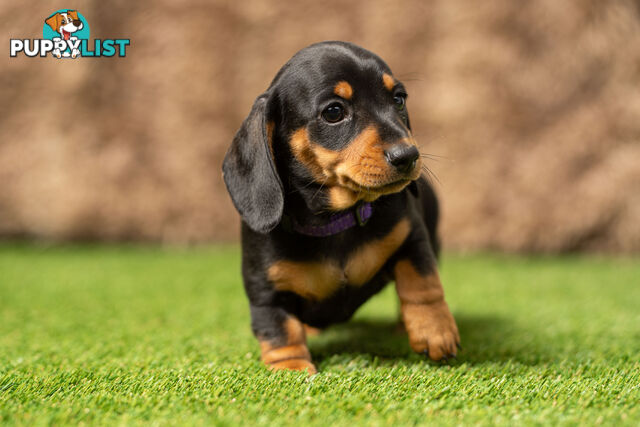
(325, 174)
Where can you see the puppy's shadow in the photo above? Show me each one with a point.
(485, 339)
(376, 337)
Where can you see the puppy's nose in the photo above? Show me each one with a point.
(402, 157)
(77, 22)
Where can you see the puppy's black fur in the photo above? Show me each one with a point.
(292, 161)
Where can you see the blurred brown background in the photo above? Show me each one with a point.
(534, 106)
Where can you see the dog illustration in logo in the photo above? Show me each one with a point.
(65, 23)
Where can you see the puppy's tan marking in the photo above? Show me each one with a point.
(358, 172)
(388, 81)
(320, 280)
(294, 355)
(426, 315)
(313, 280)
(317, 159)
(341, 198)
(311, 331)
(343, 90)
(363, 162)
(369, 258)
(361, 159)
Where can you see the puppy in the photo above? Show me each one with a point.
(325, 174)
(65, 23)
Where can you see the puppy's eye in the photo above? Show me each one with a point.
(399, 101)
(333, 113)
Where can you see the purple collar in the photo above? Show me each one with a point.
(337, 223)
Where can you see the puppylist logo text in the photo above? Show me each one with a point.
(65, 34)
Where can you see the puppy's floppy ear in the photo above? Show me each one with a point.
(74, 14)
(54, 21)
(250, 173)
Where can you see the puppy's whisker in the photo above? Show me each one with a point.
(319, 189)
(435, 157)
(430, 173)
(359, 190)
(425, 156)
(298, 190)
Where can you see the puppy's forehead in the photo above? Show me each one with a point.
(321, 66)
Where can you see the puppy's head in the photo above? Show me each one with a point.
(333, 122)
(65, 23)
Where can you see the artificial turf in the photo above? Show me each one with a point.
(135, 335)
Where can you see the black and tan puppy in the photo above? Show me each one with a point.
(326, 176)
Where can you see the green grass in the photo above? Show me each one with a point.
(128, 335)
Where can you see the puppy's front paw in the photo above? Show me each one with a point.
(311, 331)
(432, 329)
(294, 365)
(294, 357)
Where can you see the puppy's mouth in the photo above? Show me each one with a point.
(378, 189)
(391, 187)
(347, 192)
(376, 182)
(66, 34)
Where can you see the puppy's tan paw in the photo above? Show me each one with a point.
(294, 365)
(311, 331)
(295, 357)
(432, 330)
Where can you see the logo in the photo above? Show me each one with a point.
(65, 34)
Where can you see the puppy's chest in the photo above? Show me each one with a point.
(318, 280)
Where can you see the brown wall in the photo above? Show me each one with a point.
(534, 106)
